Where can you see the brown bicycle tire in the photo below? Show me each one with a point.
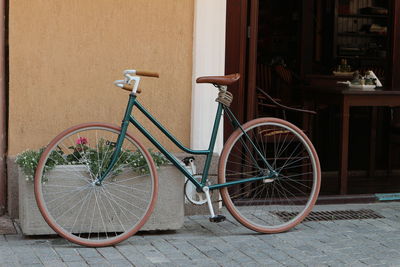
(71, 237)
(222, 179)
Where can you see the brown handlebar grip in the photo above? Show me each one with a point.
(129, 88)
(147, 74)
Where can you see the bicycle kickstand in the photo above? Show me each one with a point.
(213, 218)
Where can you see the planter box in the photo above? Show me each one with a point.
(167, 215)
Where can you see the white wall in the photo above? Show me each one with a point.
(208, 60)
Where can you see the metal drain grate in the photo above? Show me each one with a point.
(333, 215)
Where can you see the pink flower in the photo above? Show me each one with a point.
(82, 141)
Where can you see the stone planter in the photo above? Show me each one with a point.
(167, 215)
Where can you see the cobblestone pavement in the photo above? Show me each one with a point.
(367, 242)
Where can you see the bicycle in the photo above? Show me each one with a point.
(268, 174)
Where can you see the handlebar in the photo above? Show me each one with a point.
(126, 86)
(142, 73)
(132, 75)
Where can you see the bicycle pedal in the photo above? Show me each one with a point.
(217, 218)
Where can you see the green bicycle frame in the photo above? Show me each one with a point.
(128, 118)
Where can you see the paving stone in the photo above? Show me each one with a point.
(188, 250)
(152, 254)
(110, 253)
(121, 263)
(25, 258)
(6, 226)
(88, 252)
(169, 250)
(201, 243)
(46, 254)
(77, 264)
(54, 264)
(97, 261)
(205, 263)
(239, 257)
(68, 254)
(134, 256)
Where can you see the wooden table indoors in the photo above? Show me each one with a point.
(346, 98)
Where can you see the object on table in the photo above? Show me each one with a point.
(360, 86)
(356, 78)
(371, 75)
(343, 69)
(343, 74)
(368, 82)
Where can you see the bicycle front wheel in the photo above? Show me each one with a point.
(86, 212)
(274, 203)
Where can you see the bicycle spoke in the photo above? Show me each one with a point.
(262, 204)
(96, 214)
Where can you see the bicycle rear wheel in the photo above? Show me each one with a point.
(278, 203)
(78, 209)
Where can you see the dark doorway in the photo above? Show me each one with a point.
(264, 33)
(279, 32)
(302, 35)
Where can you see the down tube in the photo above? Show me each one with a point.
(164, 151)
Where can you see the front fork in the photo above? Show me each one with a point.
(120, 140)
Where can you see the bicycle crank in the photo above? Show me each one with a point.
(192, 195)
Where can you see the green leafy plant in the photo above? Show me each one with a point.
(29, 159)
(97, 159)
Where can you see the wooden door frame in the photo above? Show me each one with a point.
(252, 60)
(241, 56)
(241, 51)
(235, 55)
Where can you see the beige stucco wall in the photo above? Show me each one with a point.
(64, 56)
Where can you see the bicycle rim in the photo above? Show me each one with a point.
(86, 213)
(274, 204)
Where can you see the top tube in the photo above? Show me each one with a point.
(167, 133)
